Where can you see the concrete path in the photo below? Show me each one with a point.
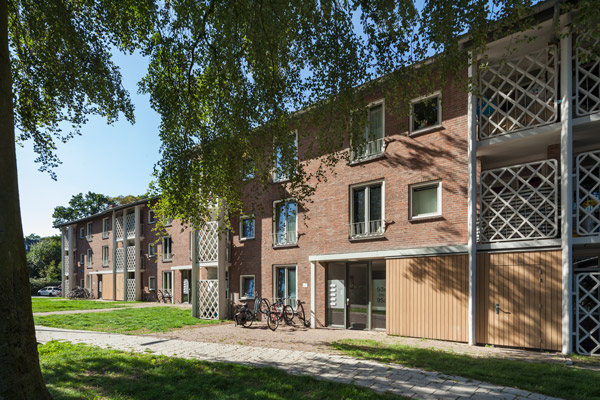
(396, 379)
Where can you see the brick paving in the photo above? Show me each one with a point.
(396, 379)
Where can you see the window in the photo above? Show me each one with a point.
(151, 250)
(81, 259)
(90, 226)
(152, 283)
(366, 210)
(249, 169)
(246, 228)
(247, 287)
(168, 222)
(166, 249)
(105, 256)
(426, 200)
(89, 258)
(168, 282)
(105, 227)
(284, 223)
(426, 113)
(285, 284)
(284, 152)
(151, 217)
(81, 233)
(373, 136)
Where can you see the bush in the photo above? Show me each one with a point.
(37, 283)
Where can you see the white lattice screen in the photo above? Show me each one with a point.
(120, 259)
(587, 313)
(67, 263)
(519, 202)
(119, 228)
(208, 242)
(130, 226)
(66, 289)
(587, 76)
(66, 240)
(208, 299)
(130, 289)
(131, 258)
(588, 193)
(518, 94)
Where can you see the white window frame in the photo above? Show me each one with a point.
(367, 207)
(164, 253)
(90, 230)
(82, 233)
(274, 172)
(151, 250)
(273, 228)
(82, 260)
(411, 188)
(418, 100)
(354, 159)
(151, 217)
(89, 258)
(242, 278)
(152, 283)
(286, 266)
(106, 260)
(105, 228)
(250, 217)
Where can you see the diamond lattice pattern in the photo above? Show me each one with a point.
(66, 288)
(119, 228)
(587, 76)
(519, 202)
(131, 258)
(208, 242)
(130, 226)
(588, 193)
(587, 313)
(130, 289)
(208, 299)
(518, 94)
(120, 259)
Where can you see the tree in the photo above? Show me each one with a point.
(80, 206)
(43, 258)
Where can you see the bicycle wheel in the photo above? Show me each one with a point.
(272, 321)
(264, 306)
(288, 314)
(301, 315)
(247, 320)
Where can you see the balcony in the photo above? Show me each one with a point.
(519, 202)
(125, 224)
(368, 150)
(360, 230)
(285, 238)
(587, 194)
(519, 94)
(587, 77)
(208, 243)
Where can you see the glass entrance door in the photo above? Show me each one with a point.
(185, 286)
(357, 296)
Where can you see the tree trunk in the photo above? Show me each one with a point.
(21, 377)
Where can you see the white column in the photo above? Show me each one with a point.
(472, 202)
(566, 174)
(313, 295)
(72, 265)
(138, 258)
(195, 273)
(63, 231)
(125, 264)
(114, 254)
(222, 268)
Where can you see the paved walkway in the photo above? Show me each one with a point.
(396, 379)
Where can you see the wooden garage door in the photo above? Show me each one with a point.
(107, 287)
(428, 297)
(519, 299)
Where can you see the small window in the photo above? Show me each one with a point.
(246, 228)
(90, 229)
(374, 136)
(247, 287)
(81, 233)
(152, 283)
(89, 258)
(426, 200)
(151, 250)
(105, 256)
(426, 113)
(168, 222)
(167, 243)
(249, 169)
(82, 259)
(151, 217)
(105, 228)
(281, 169)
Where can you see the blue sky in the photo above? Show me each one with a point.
(109, 159)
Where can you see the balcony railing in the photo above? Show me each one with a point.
(208, 242)
(587, 198)
(285, 238)
(587, 76)
(366, 229)
(368, 150)
(120, 259)
(130, 226)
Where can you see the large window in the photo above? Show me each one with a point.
(167, 243)
(426, 113)
(246, 228)
(286, 157)
(426, 200)
(366, 210)
(89, 258)
(247, 287)
(167, 282)
(105, 256)
(373, 144)
(285, 214)
(105, 228)
(286, 284)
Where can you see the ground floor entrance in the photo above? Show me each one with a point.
(356, 294)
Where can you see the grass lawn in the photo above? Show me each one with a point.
(547, 378)
(129, 320)
(84, 372)
(46, 305)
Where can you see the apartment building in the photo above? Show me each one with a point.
(477, 222)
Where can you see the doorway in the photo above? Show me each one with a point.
(186, 278)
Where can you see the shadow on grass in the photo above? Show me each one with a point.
(84, 372)
(547, 378)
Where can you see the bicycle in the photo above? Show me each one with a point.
(245, 316)
(279, 312)
(301, 314)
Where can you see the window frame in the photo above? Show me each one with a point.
(438, 213)
(151, 250)
(89, 258)
(82, 260)
(151, 286)
(170, 253)
(242, 278)
(151, 217)
(105, 228)
(287, 267)
(246, 218)
(274, 231)
(354, 159)
(437, 94)
(90, 231)
(275, 178)
(105, 261)
(367, 208)
(82, 232)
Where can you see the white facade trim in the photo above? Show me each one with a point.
(181, 267)
(472, 202)
(521, 244)
(100, 273)
(409, 252)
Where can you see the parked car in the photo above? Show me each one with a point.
(49, 291)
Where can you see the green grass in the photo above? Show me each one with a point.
(552, 379)
(84, 372)
(131, 320)
(47, 305)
